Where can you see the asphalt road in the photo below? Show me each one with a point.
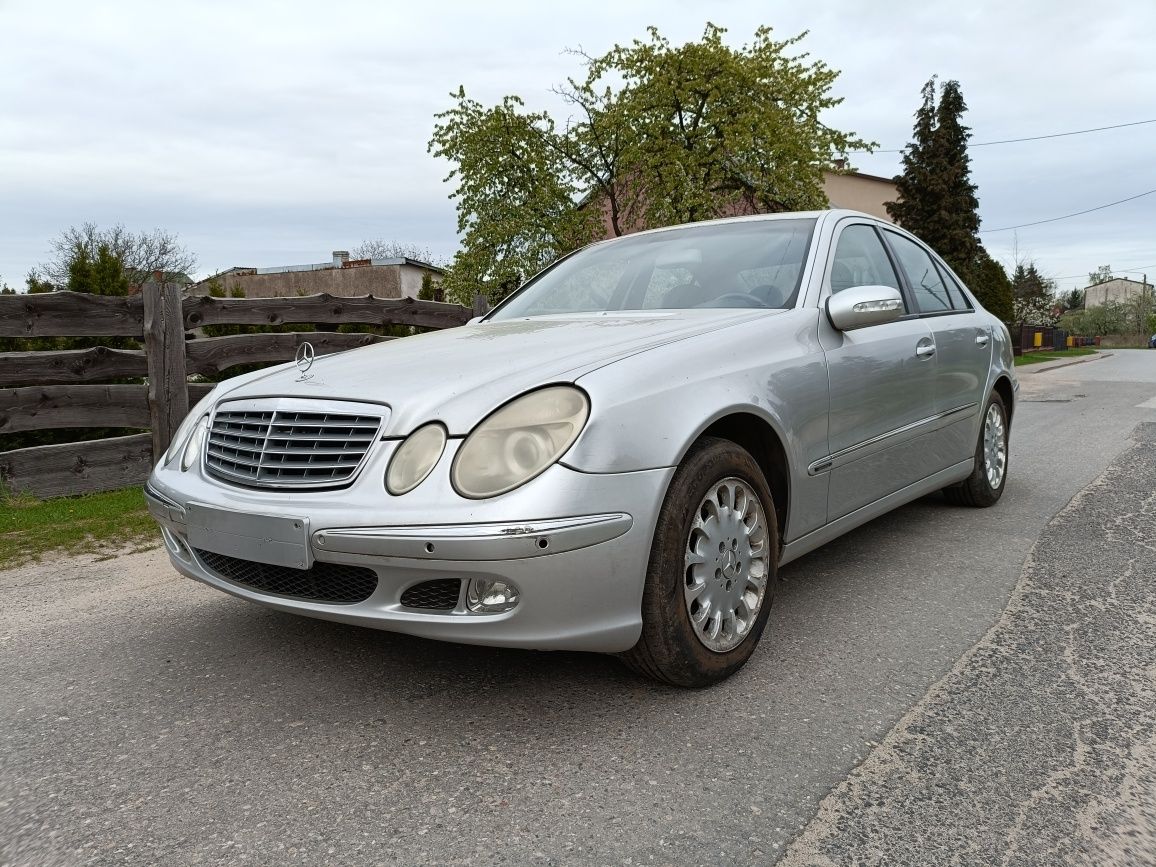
(146, 719)
(1040, 746)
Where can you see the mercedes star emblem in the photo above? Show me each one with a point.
(305, 356)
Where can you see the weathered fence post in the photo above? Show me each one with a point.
(164, 339)
(481, 304)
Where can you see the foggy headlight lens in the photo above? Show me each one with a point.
(193, 448)
(415, 459)
(519, 441)
(180, 438)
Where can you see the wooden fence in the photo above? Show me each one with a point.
(58, 389)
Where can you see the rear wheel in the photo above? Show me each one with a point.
(985, 485)
(712, 569)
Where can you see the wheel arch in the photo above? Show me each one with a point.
(764, 443)
(1003, 387)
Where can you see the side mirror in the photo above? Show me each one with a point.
(861, 306)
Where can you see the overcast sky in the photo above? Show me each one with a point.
(273, 133)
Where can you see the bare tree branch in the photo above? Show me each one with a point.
(140, 254)
(379, 248)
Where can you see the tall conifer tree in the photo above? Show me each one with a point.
(937, 199)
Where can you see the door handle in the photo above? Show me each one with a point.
(982, 339)
(925, 350)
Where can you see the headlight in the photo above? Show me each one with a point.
(180, 438)
(519, 441)
(193, 448)
(415, 459)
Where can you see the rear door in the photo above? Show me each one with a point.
(963, 346)
(882, 383)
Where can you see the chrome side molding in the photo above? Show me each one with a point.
(841, 457)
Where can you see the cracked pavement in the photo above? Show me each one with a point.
(146, 719)
(1040, 746)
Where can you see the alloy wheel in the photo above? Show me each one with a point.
(727, 563)
(994, 446)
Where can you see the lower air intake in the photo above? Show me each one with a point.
(439, 595)
(324, 582)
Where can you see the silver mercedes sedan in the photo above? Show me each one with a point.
(618, 458)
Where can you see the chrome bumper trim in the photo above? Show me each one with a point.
(505, 541)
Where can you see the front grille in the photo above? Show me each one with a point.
(440, 595)
(278, 449)
(323, 582)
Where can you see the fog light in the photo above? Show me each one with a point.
(487, 596)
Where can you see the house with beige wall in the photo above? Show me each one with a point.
(1119, 289)
(860, 192)
(341, 276)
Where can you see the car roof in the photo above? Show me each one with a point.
(826, 213)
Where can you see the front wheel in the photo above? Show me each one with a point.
(985, 485)
(712, 569)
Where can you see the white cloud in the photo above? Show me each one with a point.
(269, 133)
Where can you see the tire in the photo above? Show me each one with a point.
(977, 489)
(673, 647)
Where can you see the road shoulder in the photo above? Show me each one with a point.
(1039, 747)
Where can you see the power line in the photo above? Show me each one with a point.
(983, 144)
(980, 144)
(1140, 269)
(1068, 216)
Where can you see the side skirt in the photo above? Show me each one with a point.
(817, 538)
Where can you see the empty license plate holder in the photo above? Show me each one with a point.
(274, 539)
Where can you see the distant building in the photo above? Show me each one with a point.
(384, 278)
(860, 192)
(1118, 289)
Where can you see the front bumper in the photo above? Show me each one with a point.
(579, 562)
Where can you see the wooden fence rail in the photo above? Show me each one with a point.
(210, 355)
(64, 389)
(79, 468)
(70, 366)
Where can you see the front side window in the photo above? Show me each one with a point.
(747, 263)
(860, 260)
(926, 283)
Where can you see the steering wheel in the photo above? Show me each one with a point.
(742, 299)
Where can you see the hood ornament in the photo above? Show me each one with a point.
(304, 360)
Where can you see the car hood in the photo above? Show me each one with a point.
(458, 375)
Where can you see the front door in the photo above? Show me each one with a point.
(882, 385)
(963, 347)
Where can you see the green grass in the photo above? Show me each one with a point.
(1040, 357)
(95, 523)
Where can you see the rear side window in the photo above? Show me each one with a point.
(860, 260)
(931, 294)
(958, 297)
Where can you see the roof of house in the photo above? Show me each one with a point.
(856, 174)
(321, 266)
(330, 266)
(1118, 280)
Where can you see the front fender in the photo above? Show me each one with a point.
(649, 409)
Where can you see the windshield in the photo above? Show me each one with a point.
(750, 263)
